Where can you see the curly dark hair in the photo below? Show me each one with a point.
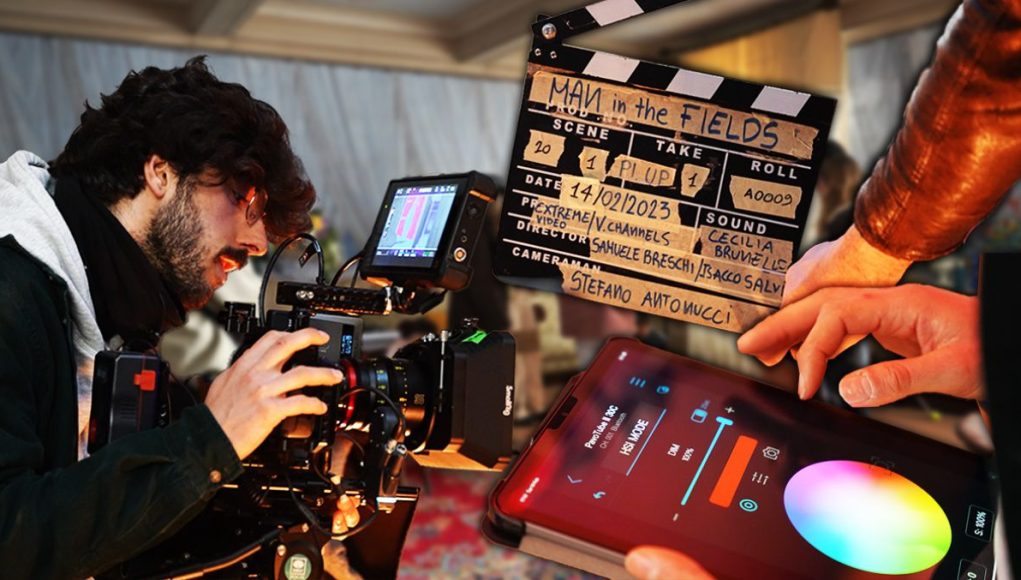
(198, 124)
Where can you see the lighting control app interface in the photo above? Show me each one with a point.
(656, 449)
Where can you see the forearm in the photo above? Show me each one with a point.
(959, 150)
(75, 522)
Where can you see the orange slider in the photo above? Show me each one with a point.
(733, 471)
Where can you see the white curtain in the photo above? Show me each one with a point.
(357, 128)
(881, 74)
(354, 128)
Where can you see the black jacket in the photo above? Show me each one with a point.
(61, 518)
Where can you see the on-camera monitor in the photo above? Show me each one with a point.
(748, 480)
(412, 235)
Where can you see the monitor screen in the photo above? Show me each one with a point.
(414, 227)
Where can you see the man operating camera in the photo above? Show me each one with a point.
(169, 185)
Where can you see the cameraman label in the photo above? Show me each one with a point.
(660, 299)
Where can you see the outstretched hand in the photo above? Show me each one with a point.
(936, 330)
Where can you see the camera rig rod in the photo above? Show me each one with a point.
(334, 299)
(384, 457)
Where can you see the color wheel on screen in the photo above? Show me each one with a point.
(867, 517)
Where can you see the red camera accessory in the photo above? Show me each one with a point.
(128, 394)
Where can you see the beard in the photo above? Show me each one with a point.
(173, 245)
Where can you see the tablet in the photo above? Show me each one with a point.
(648, 447)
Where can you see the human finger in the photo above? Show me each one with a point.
(849, 341)
(836, 327)
(770, 339)
(303, 376)
(298, 405)
(798, 279)
(347, 512)
(860, 310)
(656, 563)
(276, 347)
(954, 370)
(339, 524)
(335, 562)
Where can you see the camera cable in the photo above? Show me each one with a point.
(402, 425)
(202, 568)
(313, 247)
(313, 521)
(340, 273)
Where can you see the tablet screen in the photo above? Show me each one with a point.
(656, 449)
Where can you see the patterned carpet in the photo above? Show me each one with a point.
(444, 540)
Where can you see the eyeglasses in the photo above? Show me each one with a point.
(254, 204)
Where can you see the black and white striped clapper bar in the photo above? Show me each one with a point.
(549, 33)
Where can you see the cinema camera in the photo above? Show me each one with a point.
(444, 401)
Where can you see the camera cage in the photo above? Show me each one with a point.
(440, 219)
(279, 505)
(407, 283)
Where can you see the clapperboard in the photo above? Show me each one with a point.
(650, 187)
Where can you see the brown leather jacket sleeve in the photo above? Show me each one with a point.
(959, 150)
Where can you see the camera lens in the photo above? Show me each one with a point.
(405, 382)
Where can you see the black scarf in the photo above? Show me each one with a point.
(131, 299)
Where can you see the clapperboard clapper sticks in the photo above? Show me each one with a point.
(654, 188)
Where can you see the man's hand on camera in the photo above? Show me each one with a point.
(251, 397)
(935, 329)
(655, 563)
